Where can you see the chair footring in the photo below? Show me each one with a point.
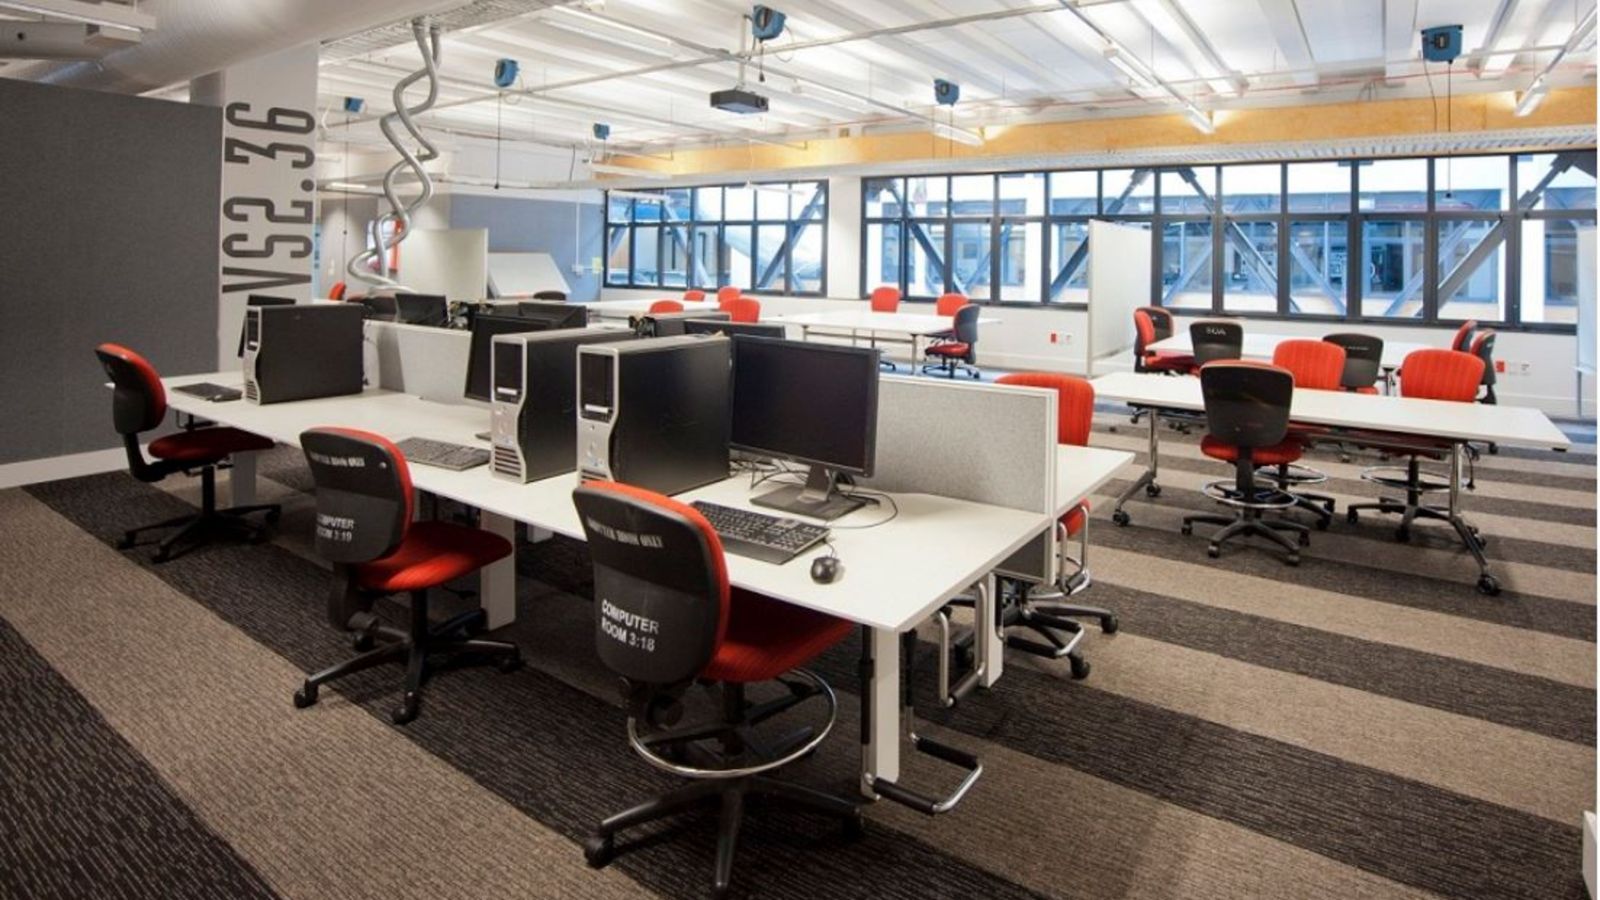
(739, 733)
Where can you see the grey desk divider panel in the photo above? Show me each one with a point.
(986, 443)
(416, 359)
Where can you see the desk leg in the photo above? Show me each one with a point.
(1147, 480)
(1487, 583)
(990, 645)
(497, 582)
(805, 332)
(880, 715)
(1388, 380)
(916, 368)
(242, 480)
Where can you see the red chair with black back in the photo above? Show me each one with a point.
(666, 620)
(961, 351)
(744, 309)
(694, 296)
(364, 527)
(138, 405)
(665, 306)
(1363, 361)
(726, 295)
(1462, 339)
(1316, 366)
(1430, 374)
(1247, 422)
(885, 299)
(1152, 324)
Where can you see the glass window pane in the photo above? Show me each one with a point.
(1022, 194)
(1318, 254)
(738, 244)
(1471, 182)
(808, 195)
(647, 207)
(972, 195)
(772, 202)
(1186, 265)
(1319, 187)
(708, 204)
(1022, 260)
(675, 256)
(883, 255)
(646, 265)
(1566, 184)
(1252, 189)
(703, 262)
(617, 254)
(618, 209)
(771, 246)
(805, 257)
(1069, 262)
(1393, 262)
(739, 204)
(1129, 191)
(1074, 193)
(879, 197)
(1550, 268)
(924, 270)
(926, 196)
(1250, 267)
(1394, 184)
(1472, 270)
(971, 253)
(677, 207)
(1189, 190)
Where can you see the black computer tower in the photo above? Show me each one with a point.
(303, 351)
(655, 414)
(533, 401)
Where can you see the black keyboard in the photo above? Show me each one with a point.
(760, 536)
(205, 390)
(441, 454)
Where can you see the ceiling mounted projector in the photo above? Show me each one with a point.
(738, 100)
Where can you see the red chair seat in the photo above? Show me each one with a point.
(207, 445)
(766, 638)
(1075, 518)
(950, 349)
(1169, 360)
(433, 553)
(1369, 389)
(1278, 454)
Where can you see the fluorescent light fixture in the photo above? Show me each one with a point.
(959, 135)
(350, 186)
(593, 19)
(1130, 66)
(104, 15)
(1532, 97)
(629, 171)
(640, 196)
(1200, 119)
(792, 190)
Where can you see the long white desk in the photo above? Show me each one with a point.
(1262, 346)
(852, 323)
(1401, 417)
(622, 309)
(896, 574)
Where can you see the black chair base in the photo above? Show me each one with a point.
(729, 794)
(210, 523)
(385, 644)
(1051, 620)
(1247, 523)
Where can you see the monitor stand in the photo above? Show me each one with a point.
(817, 498)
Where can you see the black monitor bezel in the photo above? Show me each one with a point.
(869, 354)
(472, 338)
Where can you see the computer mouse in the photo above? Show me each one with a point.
(826, 569)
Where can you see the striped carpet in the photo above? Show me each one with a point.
(1365, 725)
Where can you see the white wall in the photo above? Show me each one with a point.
(355, 212)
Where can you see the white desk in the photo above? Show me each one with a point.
(1401, 417)
(622, 309)
(911, 327)
(896, 574)
(1262, 346)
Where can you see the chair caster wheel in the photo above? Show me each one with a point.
(1213, 551)
(1080, 667)
(1352, 516)
(599, 850)
(1322, 523)
(1488, 584)
(257, 537)
(1120, 518)
(305, 697)
(363, 641)
(408, 708)
(1304, 539)
(1109, 625)
(1152, 490)
(855, 827)
(1187, 528)
(1483, 542)
(125, 542)
(1292, 559)
(161, 556)
(1403, 535)
(509, 664)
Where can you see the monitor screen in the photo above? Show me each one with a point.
(421, 309)
(554, 315)
(748, 329)
(484, 328)
(806, 402)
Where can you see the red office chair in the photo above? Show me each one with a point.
(1315, 366)
(364, 527)
(1151, 324)
(961, 351)
(139, 404)
(694, 296)
(947, 305)
(1247, 420)
(1462, 339)
(666, 620)
(337, 291)
(726, 295)
(665, 306)
(745, 309)
(885, 299)
(1433, 375)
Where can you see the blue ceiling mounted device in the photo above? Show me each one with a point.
(1441, 43)
(354, 105)
(602, 131)
(766, 23)
(946, 93)
(505, 73)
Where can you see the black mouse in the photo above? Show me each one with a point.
(826, 569)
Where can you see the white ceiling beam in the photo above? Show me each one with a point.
(1166, 17)
(1283, 18)
(110, 15)
(1402, 42)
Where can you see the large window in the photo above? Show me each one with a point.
(763, 238)
(1417, 240)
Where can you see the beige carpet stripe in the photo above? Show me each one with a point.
(1495, 763)
(1438, 560)
(324, 803)
(1515, 649)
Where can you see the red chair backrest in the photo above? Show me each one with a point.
(665, 306)
(1463, 337)
(1315, 365)
(337, 291)
(725, 295)
(949, 303)
(660, 582)
(1441, 375)
(694, 296)
(885, 299)
(744, 309)
(138, 400)
(1144, 332)
(364, 495)
(1075, 402)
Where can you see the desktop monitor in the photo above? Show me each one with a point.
(258, 300)
(553, 315)
(380, 306)
(747, 329)
(421, 309)
(814, 404)
(484, 328)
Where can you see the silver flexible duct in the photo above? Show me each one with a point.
(427, 37)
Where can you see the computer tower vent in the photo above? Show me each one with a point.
(507, 462)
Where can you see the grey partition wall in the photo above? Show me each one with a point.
(108, 232)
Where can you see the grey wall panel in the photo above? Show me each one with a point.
(518, 225)
(108, 232)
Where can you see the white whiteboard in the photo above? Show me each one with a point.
(449, 261)
(1586, 301)
(1119, 283)
(523, 274)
